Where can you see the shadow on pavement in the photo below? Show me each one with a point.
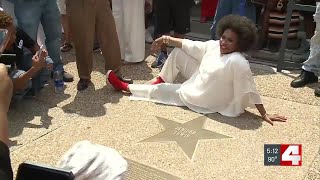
(135, 71)
(91, 102)
(138, 71)
(22, 113)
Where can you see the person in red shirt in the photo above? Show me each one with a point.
(208, 9)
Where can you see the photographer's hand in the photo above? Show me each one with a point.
(39, 61)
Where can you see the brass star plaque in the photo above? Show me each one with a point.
(185, 135)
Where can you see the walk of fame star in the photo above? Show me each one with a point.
(185, 135)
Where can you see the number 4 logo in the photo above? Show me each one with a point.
(291, 155)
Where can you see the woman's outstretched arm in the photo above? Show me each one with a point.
(196, 49)
(168, 40)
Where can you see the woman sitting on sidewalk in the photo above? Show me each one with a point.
(218, 76)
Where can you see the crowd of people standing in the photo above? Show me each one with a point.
(218, 76)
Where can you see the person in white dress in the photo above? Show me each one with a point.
(129, 19)
(218, 76)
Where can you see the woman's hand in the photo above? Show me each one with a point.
(156, 45)
(274, 117)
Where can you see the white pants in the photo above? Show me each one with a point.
(312, 64)
(9, 8)
(129, 19)
(167, 93)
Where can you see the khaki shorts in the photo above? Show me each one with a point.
(18, 95)
(62, 6)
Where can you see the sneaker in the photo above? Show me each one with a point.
(66, 47)
(161, 59)
(67, 77)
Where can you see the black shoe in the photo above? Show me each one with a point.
(67, 77)
(317, 92)
(96, 48)
(304, 78)
(66, 47)
(83, 84)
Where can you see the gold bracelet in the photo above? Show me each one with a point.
(166, 39)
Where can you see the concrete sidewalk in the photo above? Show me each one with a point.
(169, 142)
